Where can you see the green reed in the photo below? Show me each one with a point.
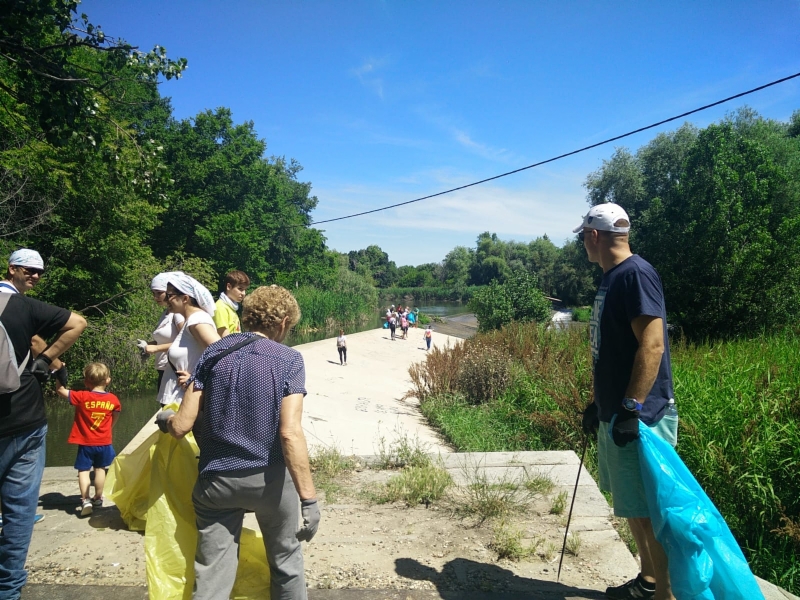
(327, 310)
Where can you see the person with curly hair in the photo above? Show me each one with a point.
(253, 452)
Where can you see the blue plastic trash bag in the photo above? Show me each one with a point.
(705, 562)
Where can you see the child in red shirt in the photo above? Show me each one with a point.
(96, 410)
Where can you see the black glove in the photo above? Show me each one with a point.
(162, 418)
(62, 375)
(41, 368)
(590, 421)
(311, 517)
(625, 427)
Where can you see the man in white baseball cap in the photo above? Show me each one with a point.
(632, 384)
(25, 267)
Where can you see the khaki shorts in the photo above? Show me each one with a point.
(619, 468)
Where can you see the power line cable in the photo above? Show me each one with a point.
(560, 156)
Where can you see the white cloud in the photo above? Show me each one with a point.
(367, 75)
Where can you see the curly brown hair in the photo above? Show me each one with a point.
(265, 308)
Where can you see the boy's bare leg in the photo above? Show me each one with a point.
(654, 560)
(83, 483)
(99, 482)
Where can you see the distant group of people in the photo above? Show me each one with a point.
(245, 392)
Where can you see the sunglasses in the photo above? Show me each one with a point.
(171, 295)
(31, 271)
(582, 234)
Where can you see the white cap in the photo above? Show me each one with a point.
(25, 257)
(606, 217)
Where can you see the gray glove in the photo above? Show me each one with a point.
(311, 516)
(162, 418)
(142, 345)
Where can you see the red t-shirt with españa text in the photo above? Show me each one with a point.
(92, 425)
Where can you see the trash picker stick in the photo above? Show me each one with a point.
(571, 506)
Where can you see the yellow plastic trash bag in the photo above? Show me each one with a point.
(159, 497)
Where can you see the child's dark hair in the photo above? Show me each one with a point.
(96, 374)
(235, 279)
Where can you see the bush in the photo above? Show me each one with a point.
(516, 299)
(483, 373)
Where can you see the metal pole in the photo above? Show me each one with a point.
(572, 504)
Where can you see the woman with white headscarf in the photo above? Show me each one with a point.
(168, 327)
(188, 298)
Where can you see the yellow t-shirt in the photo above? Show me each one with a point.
(225, 316)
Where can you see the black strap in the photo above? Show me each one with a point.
(211, 362)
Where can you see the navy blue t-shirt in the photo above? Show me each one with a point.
(629, 290)
(243, 393)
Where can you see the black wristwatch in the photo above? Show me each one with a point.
(631, 404)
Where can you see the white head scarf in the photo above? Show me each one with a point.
(24, 257)
(160, 281)
(188, 285)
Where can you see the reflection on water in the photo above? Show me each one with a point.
(137, 408)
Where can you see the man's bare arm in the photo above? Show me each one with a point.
(66, 337)
(37, 347)
(295, 450)
(649, 332)
(182, 422)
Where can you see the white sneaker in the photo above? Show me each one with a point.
(86, 507)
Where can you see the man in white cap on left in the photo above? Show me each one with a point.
(25, 267)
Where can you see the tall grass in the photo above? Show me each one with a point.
(739, 404)
(327, 310)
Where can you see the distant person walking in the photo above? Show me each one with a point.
(253, 454)
(96, 412)
(341, 346)
(393, 324)
(167, 328)
(428, 337)
(226, 317)
(404, 325)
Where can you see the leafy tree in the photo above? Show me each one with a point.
(516, 299)
(543, 255)
(61, 72)
(231, 206)
(374, 262)
(724, 238)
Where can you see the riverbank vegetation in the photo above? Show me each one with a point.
(525, 387)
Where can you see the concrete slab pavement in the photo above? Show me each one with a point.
(351, 407)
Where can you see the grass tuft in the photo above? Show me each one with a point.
(416, 485)
(559, 504)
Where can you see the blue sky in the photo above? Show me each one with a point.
(382, 102)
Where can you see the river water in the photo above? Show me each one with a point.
(137, 407)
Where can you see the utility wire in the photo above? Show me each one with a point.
(560, 156)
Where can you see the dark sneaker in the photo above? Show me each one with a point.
(97, 502)
(635, 589)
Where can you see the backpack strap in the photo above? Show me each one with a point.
(213, 361)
